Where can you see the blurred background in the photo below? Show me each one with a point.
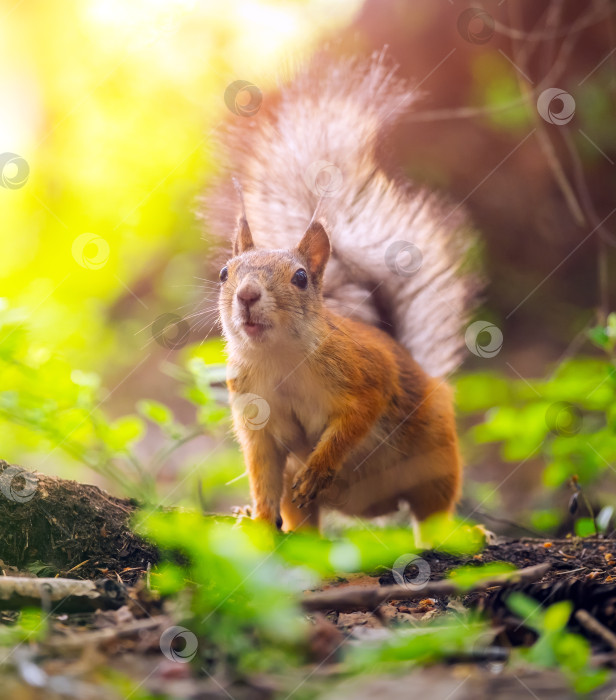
(108, 125)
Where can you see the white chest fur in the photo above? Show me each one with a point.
(298, 402)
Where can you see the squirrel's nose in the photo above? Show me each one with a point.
(248, 294)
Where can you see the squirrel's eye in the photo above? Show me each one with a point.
(300, 279)
(224, 273)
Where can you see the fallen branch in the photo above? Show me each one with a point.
(60, 595)
(591, 624)
(351, 598)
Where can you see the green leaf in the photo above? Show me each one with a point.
(557, 473)
(587, 682)
(87, 379)
(526, 608)
(556, 616)
(155, 411)
(452, 535)
(494, 86)
(598, 335)
(32, 626)
(584, 527)
(197, 396)
(40, 569)
(468, 576)
(211, 415)
(545, 520)
(168, 578)
(572, 650)
(124, 431)
(611, 325)
(481, 391)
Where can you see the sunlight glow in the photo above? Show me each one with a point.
(260, 33)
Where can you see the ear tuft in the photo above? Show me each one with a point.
(315, 247)
(243, 238)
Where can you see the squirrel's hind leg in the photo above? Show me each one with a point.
(436, 496)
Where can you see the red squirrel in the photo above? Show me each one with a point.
(340, 328)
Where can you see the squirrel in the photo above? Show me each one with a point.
(340, 325)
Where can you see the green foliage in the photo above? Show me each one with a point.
(242, 600)
(118, 131)
(30, 627)
(156, 412)
(556, 647)
(468, 576)
(241, 580)
(567, 419)
(423, 645)
(604, 337)
(545, 520)
(207, 373)
(495, 87)
(585, 527)
(56, 407)
(369, 548)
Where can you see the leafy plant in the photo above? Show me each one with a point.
(556, 647)
(567, 419)
(423, 645)
(245, 579)
(57, 407)
(468, 576)
(31, 627)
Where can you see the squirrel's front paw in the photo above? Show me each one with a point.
(308, 483)
(250, 513)
(241, 512)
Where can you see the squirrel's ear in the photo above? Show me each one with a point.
(315, 247)
(243, 238)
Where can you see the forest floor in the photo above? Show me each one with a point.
(84, 651)
(114, 650)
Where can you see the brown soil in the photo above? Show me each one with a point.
(51, 526)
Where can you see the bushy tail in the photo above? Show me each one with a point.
(397, 249)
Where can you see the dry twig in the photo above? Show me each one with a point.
(591, 624)
(351, 598)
